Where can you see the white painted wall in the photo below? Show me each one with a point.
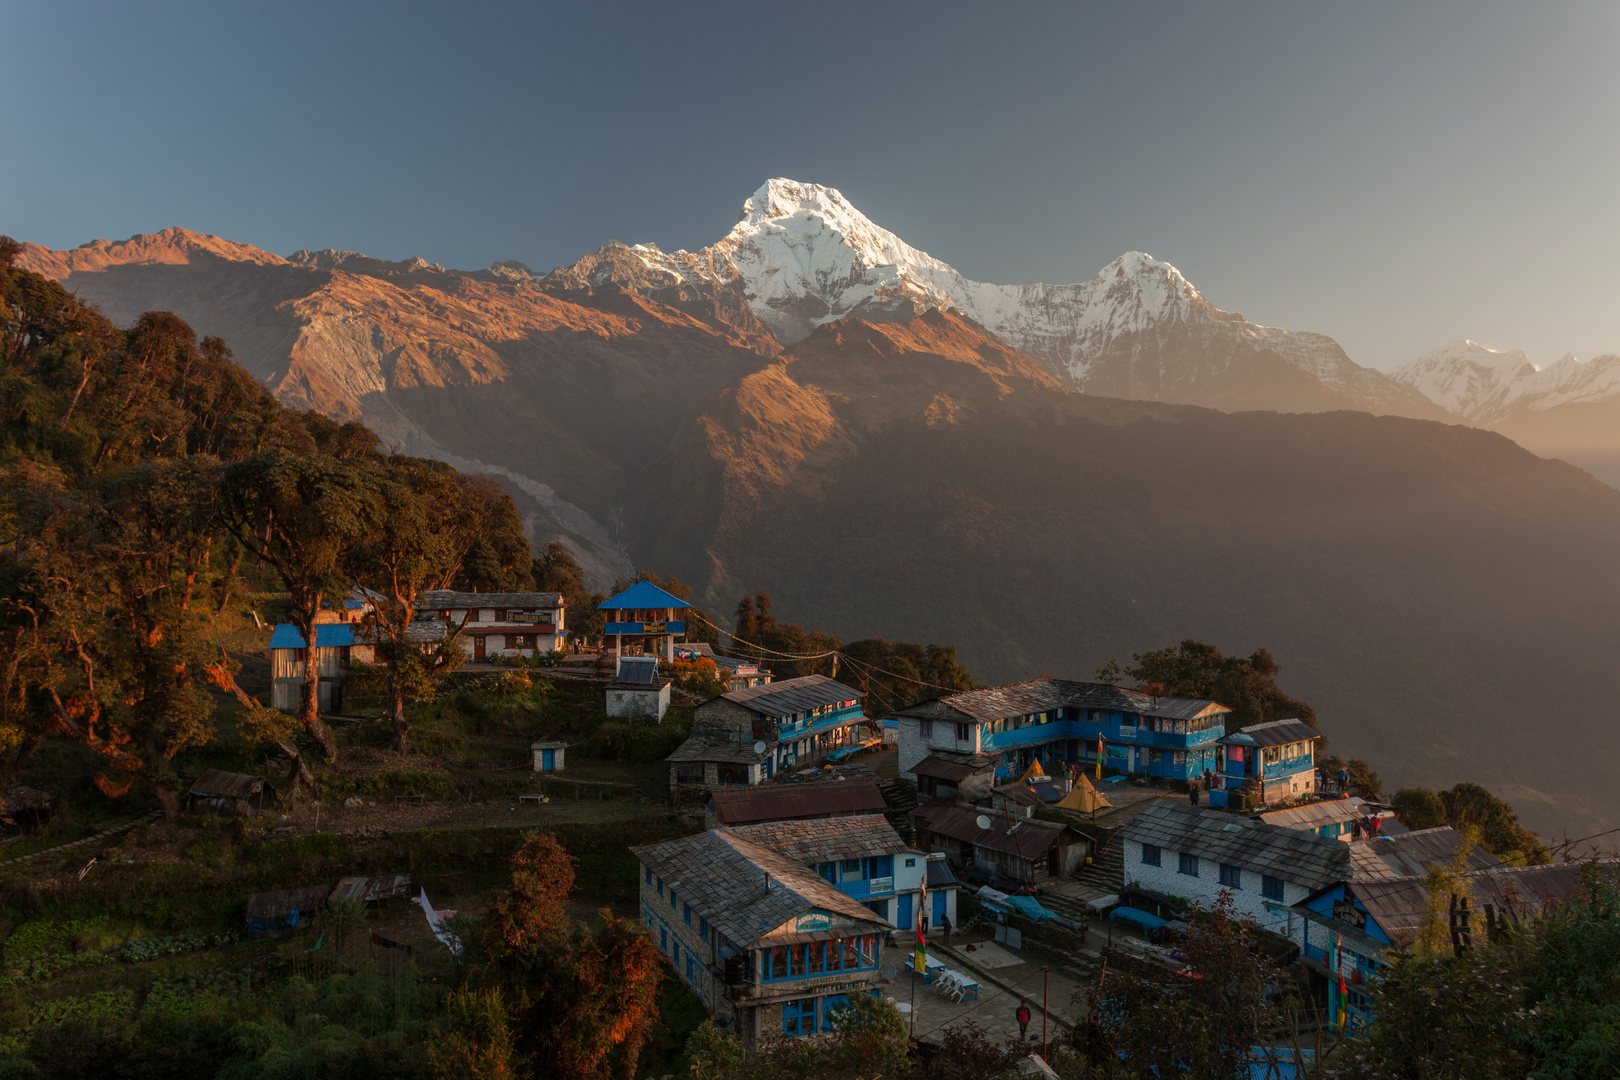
(914, 747)
(1206, 888)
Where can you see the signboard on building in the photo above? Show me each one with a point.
(1346, 912)
(813, 920)
(653, 627)
(880, 885)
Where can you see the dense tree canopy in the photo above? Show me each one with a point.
(1245, 684)
(1473, 811)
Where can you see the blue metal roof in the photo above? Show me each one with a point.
(643, 594)
(327, 636)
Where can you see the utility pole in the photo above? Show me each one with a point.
(1045, 978)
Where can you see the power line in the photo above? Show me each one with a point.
(895, 675)
(762, 648)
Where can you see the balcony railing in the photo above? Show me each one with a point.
(1035, 734)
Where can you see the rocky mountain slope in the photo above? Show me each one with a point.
(561, 397)
(801, 256)
(917, 481)
(1568, 410)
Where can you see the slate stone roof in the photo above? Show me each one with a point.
(699, 748)
(1040, 695)
(219, 784)
(819, 840)
(724, 877)
(790, 696)
(1024, 837)
(449, 598)
(953, 768)
(1273, 733)
(779, 802)
(1305, 859)
(1411, 854)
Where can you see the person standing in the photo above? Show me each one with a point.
(1023, 1020)
(945, 925)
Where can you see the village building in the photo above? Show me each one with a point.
(288, 655)
(1058, 722)
(548, 755)
(863, 857)
(497, 624)
(752, 735)
(1031, 852)
(1023, 797)
(1347, 819)
(644, 619)
(734, 674)
(1411, 854)
(232, 794)
(351, 608)
(423, 634)
(1352, 929)
(1266, 763)
(637, 690)
(1195, 854)
(792, 802)
(766, 944)
(946, 775)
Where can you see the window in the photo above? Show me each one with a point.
(910, 863)
(1271, 888)
(300, 655)
(1231, 877)
(925, 728)
(880, 866)
(1189, 865)
(1127, 720)
(1150, 854)
(686, 913)
(663, 939)
(672, 898)
(660, 886)
(675, 953)
(849, 868)
(703, 928)
(964, 732)
(799, 1017)
(500, 614)
(649, 877)
(691, 969)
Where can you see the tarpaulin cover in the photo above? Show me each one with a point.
(1141, 918)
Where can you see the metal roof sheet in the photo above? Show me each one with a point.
(1411, 854)
(1040, 695)
(822, 839)
(699, 748)
(217, 783)
(1315, 815)
(1026, 794)
(940, 874)
(725, 878)
(1306, 859)
(1024, 837)
(327, 636)
(274, 906)
(952, 769)
(793, 695)
(777, 802)
(643, 594)
(1273, 733)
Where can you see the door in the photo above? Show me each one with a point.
(548, 760)
(902, 911)
(939, 907)
(478, 648)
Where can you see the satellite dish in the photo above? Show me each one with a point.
(889, 972)
(982, 822)
(759, 747)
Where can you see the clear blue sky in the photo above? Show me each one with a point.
(1396, 175)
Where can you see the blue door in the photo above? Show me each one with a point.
(902, 911)
(548, 760)
(939, 907)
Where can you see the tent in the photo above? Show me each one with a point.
(1034, 770)
(1084, 798)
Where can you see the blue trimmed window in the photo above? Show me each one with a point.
(799, 1017)
(649, 877)
(1189, 864)
(660, 886)
(672, 898)
(1271, 888)
(1151, 854)
(1231, 876)
(703, 928)
(686, 914)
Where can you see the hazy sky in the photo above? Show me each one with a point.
(1395, 175)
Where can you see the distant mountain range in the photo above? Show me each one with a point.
(811, 407)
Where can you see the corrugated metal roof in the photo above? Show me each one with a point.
(953, 769)
(1411, 854)
(449, 598)
(1305, 859)
(793, 695)
(1273, 733)
(327, 636)
(1315, 815)
(219, 784)
(1024, 837)
(1040, 695)
(1026, 794)
(724, 877)
(1400, 904)
(270, 908)
(367, 889)
(940, 874)
(643, 594)
(823, 839)
(777, 802)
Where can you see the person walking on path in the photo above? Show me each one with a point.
(1023, 1020)
(945, 925)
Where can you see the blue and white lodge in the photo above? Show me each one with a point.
(768, 945)
(1059, 722)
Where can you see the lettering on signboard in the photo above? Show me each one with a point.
(1346, 912)
(812, 921)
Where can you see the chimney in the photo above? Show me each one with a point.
(767, 881)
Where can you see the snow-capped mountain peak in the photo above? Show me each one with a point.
(1465, 377)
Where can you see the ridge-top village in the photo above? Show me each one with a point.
(972, 851)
